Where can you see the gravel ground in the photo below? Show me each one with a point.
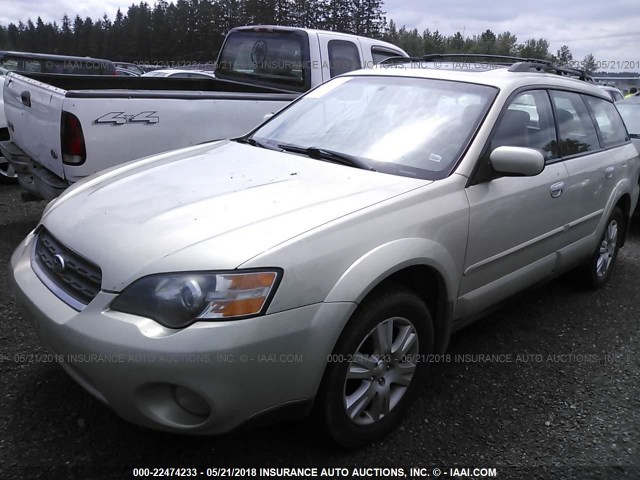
(539, 415)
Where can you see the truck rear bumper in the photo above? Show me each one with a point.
(34, 178)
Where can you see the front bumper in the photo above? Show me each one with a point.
(241, 369)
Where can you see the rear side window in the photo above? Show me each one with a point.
(608, 121)
(343, 57)
(576, 130)
(528, 122)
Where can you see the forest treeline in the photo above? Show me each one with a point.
(195, 29)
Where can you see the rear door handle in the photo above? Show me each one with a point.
(556, 189)
(608, 172)
(26, 98)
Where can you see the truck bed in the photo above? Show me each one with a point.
(92, 85)
(118, 119)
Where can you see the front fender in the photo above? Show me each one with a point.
(381, 262)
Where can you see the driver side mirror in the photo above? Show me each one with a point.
(517, 161)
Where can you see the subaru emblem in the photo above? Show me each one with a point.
(58, 263)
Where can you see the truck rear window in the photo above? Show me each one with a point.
(271, 58)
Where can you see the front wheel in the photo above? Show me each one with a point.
(378, 369)
(7, 173)
(598, 270)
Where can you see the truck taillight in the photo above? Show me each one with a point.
(72, 139)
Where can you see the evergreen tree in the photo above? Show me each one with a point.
(534, 48)
(193, 30)
(506, 44)
(564, 56)
(589, 64)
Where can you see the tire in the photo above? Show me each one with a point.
(7, 175)
(597, 271)
(352, 411)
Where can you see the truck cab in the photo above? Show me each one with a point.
(296, 59)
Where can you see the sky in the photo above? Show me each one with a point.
(608, 29)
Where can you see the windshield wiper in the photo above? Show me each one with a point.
(254, 143)
(328, 155)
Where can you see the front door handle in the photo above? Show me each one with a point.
(608, 172)
(556, 189)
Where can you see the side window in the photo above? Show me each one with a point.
(343, 57)
(528, 122)
(576, 129)
(610, 125)
(380, 54)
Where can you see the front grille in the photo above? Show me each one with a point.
(70, 276)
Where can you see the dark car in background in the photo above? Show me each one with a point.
(62, 64)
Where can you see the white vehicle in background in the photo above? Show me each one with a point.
(65, 128)
(178, 73)
(41, 63)
(7, 174)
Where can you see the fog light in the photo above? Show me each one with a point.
(190, 401)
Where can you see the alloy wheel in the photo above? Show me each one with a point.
(381, 370)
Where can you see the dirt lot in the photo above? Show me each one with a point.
(565, 395)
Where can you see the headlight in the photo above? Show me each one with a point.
(176, 300)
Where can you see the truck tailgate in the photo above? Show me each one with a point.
(33, 110)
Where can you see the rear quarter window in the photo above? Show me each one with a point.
(610, 125)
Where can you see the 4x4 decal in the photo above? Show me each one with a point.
(120, 118)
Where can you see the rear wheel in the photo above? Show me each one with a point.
(598, 270)
(376, 368)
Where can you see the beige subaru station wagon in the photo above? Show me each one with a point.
(312, 265)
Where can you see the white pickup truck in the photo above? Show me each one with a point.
(64, 128)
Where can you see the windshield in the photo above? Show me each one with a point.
(630, 113)
(274, 59)
(406, 126)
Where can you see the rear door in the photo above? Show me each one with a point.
(33, 110)
(589, 142)
(593, 168)
(516, 223)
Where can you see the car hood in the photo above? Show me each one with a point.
(211, 207)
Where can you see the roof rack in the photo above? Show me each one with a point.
(515, 64)
(497, 58)
(550, 68)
